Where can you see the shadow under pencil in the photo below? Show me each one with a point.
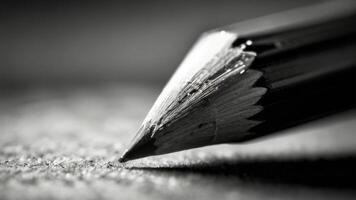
(337, 172)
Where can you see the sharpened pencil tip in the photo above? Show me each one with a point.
(140, 147)
(123, 158)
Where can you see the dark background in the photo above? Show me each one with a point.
(90, 42)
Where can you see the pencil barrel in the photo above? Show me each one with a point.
(309, 73)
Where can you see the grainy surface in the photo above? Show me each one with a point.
(64, 144)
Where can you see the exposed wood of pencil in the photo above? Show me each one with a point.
(300, 73)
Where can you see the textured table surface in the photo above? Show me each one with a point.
(64, 144)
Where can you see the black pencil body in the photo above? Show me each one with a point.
(310, 71)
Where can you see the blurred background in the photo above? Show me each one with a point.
(46, 43)
(78, 77)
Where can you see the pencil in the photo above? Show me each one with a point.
(254, 78)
